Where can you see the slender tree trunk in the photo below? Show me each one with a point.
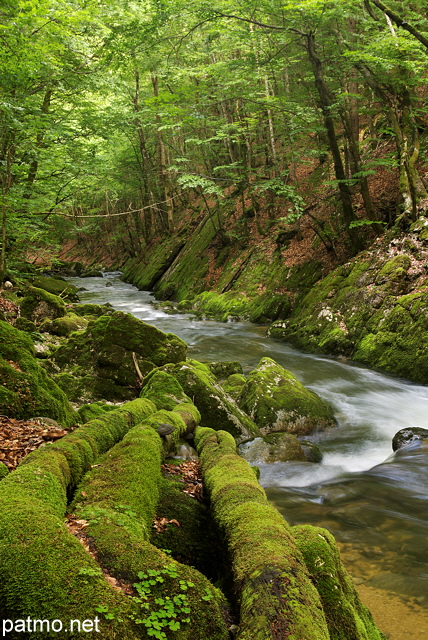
(400, 116)
(163, 180)
(34, 165)
(326, 108)
(3, 244)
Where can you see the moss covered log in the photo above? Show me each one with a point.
(275, 595)
(347, 617)
(119, 498)
(46, 572)
(218, 410)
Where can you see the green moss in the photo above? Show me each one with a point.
(61, 288)
(196, 540)
(47, 572)
(367, 310)
(25, 388)
(43, 567)
(275, 595)
(4, 470)
(67, 324)
(164, 390)
(101, 359)
(217, 408)
(38, 304)
(347, 617)
(119, 498)
(276, 401)
(394, 270)
(234, 385)
(95, 310)
(89, 412)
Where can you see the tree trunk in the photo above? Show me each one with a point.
(34, 164)
(163, 180)
(326, 108)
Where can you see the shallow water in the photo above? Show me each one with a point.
(373, 501)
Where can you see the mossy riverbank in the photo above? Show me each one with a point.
(372, 309)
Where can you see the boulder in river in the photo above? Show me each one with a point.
(277, 401)
(109, 359)
(409, 435)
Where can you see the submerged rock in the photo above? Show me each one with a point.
(277, 447)
(280, 447)
(410, 435)
(224, 369)
(109, 358)
(276, 401)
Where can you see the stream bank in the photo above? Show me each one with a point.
(372, 309)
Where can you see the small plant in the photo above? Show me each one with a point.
(166, 613)
(103, 608)
(89, 571)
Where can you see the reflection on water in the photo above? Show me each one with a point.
(373, 501)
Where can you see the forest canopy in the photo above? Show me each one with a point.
(131, 110)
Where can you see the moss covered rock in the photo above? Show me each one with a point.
(373, 309)
(105, 361)
(234, 385)
(409, 436)
(276, 401)
(164, 390)
(26, 389)
(38, 304)
(218, 410)
(90, 309)
(67, 324)
(58, 287)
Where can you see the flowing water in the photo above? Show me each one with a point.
(373, 501)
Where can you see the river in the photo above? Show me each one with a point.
(373, 501)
